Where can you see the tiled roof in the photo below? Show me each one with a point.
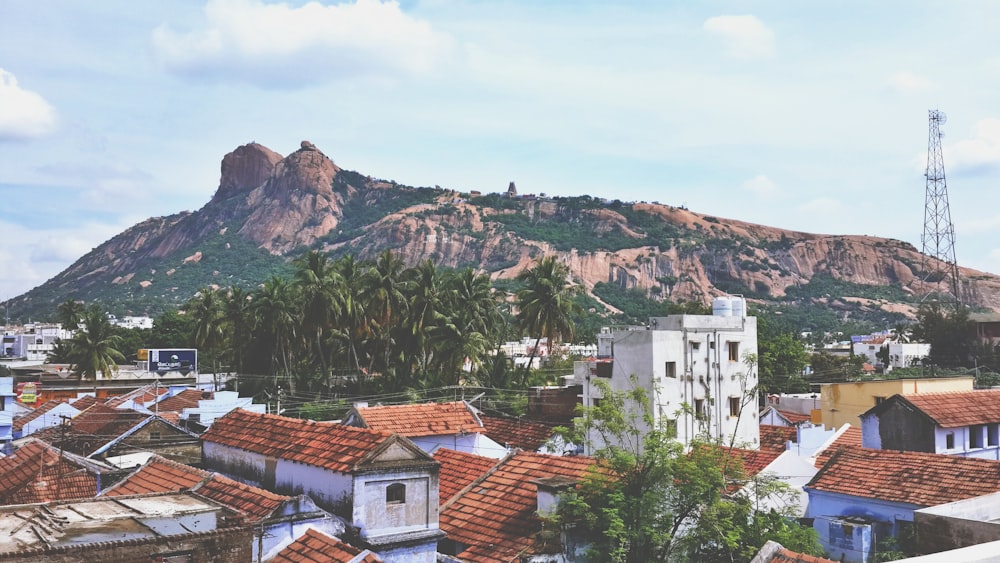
(21, 421)
(795, 417)
(84, 402)
(754, 461)
(324, 444)
(317, 547)
(774, 438)
(106, 422)
(495, 516)
(961, 408)
(921, 479)
(423, 419)
(186, 399)
(458, 469)
(517, 433)
(142, 395)
(850, 439)
(161, 475)
(788, 556)
(36, 472)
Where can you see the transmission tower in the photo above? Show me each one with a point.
(939, 232)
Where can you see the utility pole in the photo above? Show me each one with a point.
(939, 233)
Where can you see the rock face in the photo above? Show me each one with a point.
(281, 205)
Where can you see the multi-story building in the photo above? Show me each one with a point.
(693, 368)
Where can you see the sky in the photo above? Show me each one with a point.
(808, 116)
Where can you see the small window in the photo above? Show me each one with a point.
(395, 493)
(993, 434)
(670, 428)
(949, 441)
(671, 369)
(734, 351)
(596, 402)
(699, 408)
(734, 406)
(695, 345)
(879, 401)
(154, 435)
(976, 432)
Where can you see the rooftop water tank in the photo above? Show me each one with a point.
(739, 306)
(722, 306)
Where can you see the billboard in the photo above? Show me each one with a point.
(183, 360)
(28, 392)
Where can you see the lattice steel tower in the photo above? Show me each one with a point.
(939, 232)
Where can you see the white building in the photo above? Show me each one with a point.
(692, 368)
(33, 342)
(132, 322)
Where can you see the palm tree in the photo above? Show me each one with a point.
(545, 304)
(350, 307)
(470, 326)
(383, 290)
(316, 281)
(209, 330)
(237, 319)
(274, 313)
(70, 312)
(426, 298)
(93, 348)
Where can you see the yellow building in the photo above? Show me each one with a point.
(843, 402)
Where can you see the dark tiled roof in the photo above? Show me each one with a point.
(517, 433)
(84, 402)
(36, 472)
(774, 438)
(423, 419)
(317, 547)
(186, 399)
(921, 479)
(794, 417)
(458, 469)
(323, 444)
(496, 515)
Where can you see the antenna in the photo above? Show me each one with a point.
(939, 232)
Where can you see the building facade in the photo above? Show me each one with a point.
(844, 403)
(693, 369)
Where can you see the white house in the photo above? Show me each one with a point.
(383, 485)
(50, 413)
(693, 370)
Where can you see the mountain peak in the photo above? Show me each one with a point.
(245, 168)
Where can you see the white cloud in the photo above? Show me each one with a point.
(762, 186)
(23, 114)
(905, 82)
(745, 37)
(275, 45)
(978, 155)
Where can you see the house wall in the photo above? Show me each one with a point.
(824, 503)
(223, 546)
(473, 443)
(958, 524)
(843, 403)
(963, 443)
(375, 517)
(246, 467)
(172, 443)
(898, 428)
(283, 532)
(697, 348)
(51, 418)
(329, 489)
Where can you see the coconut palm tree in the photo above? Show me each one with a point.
(545, 303)
(274, 313)
(209, 323)
(93, 348)
(316, 281)
(383, 289)
(70, 312)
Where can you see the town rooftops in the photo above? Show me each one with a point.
(458, 469)
(774, 552)
(951, 410)
(919, 479)
(37, 472)
(40, 410)
(775, 438)
(161, 475)
(527, 435)
(186, 399)
(328, 445)
(495, 515)
(316, 547)
(422, 419)
(72, 525)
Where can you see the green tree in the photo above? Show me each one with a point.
(648, 500)
(545, 303)
(70, 313)
(172, 330)
(950, 333)
(207, 314)
(93, 348)
(781, 357)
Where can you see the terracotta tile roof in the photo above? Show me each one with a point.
(143, 395)
(84, 402)
(961, 408)
(160, 475)
(317, 547)
(495, 515)
(186, 399)
(921, 479)
(754, 461)
(774, 438)
(106, 422)
(323, 444)
(850, 439)
(795, 417)
(21, 421)
(423, 419)
(36, 472)
(788, 556)
(527, 435)
(458, 469)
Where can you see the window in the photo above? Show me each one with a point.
(596, 402)
(734, 406)
(695, 345)
(992, 434)
(734, 351)
(949, 441)
(879, 401)
(605, 369)
(976, 432)
(671, 369)
(670, 428)
(699, 408)
(154, 436)
(395, 493)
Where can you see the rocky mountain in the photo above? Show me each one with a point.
(269, 208)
